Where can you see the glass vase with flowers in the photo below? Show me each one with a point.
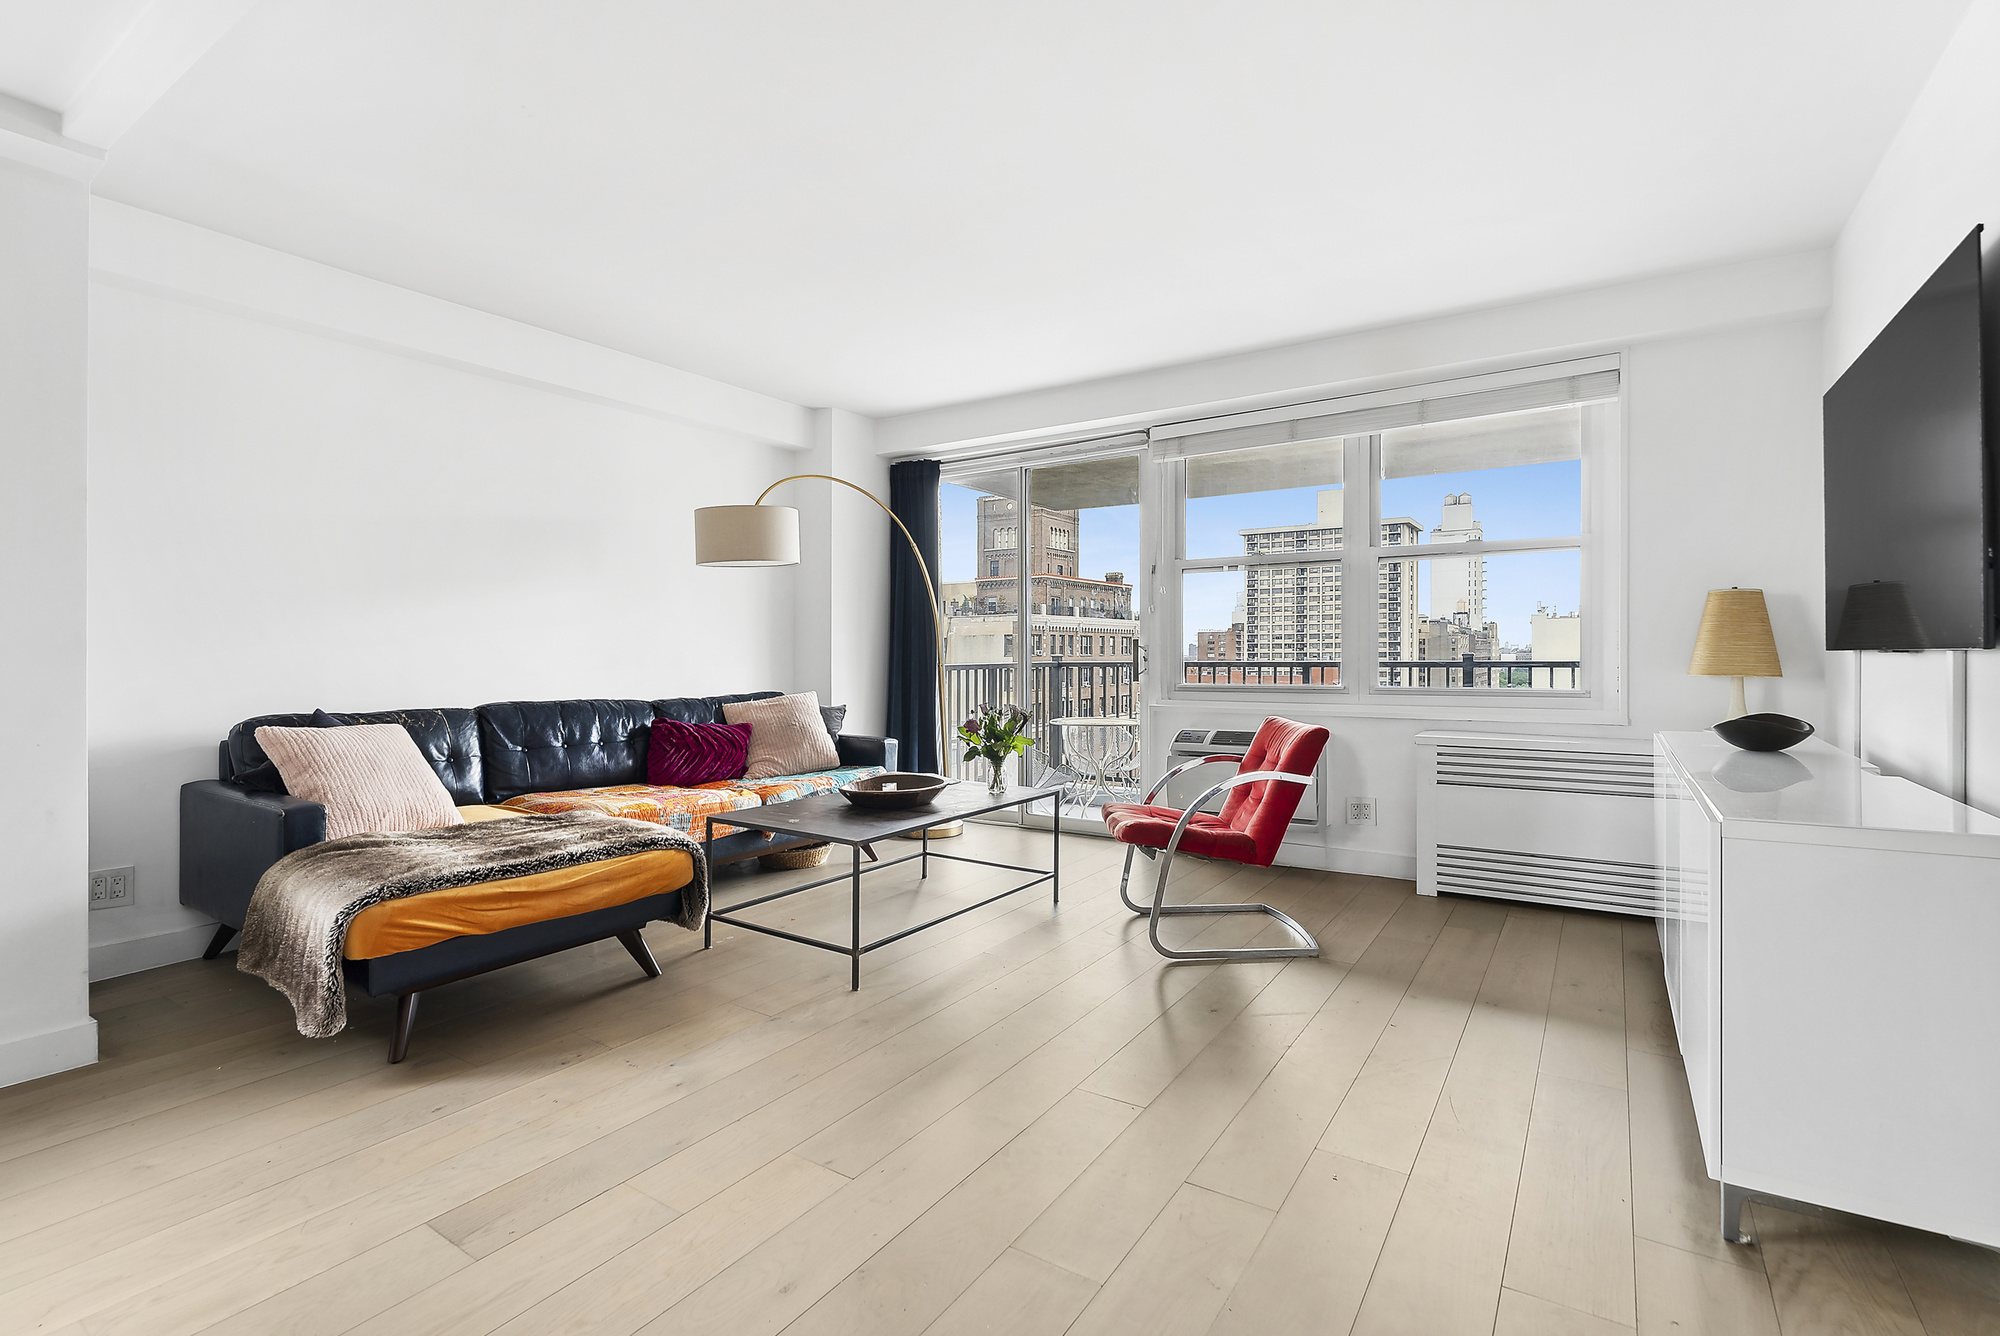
(992, 734)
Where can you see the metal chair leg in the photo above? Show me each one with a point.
(1160, 909)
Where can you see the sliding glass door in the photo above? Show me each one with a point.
(1040, 590)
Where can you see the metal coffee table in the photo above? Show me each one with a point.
(830, 817)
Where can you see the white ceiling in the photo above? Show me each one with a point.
(49, 47)
(890, 204)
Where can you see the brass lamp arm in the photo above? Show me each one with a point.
(937, 616)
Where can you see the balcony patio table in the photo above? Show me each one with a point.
(1101, 745)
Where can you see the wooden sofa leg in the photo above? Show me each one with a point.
(223, 932)
(406, 1021)
(636, 944)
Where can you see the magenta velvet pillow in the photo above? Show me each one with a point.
(684, 755)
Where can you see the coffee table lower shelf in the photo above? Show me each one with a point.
(819, 819)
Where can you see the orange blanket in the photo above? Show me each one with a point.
(424, 920)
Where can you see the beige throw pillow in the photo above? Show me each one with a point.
(369, 777)
(787, 735)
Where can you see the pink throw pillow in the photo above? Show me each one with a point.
(684, 755)
(369, 777)
(788, 736)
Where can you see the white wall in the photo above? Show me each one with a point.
(843, 591)
(285, 515)
(1723, 464)
(45, 1024)
(1933, 717)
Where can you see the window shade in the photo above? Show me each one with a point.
(1542, 436)
(1087, 486)
(1185, 439)
(1301, 464)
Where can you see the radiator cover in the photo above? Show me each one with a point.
(1563, 822)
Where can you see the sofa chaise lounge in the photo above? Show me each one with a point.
(494, 760)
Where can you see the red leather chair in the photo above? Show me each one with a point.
(1263, 794)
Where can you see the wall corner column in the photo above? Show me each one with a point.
(842, 619)
(45, 1022)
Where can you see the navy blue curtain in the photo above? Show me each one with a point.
(913, 700)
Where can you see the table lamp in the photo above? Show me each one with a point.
(1735, 642)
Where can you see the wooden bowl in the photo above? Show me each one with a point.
(897, 789)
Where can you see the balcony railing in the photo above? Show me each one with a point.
(1261, 673)
(1106, 688)
(1519, 674)
(1093, 688)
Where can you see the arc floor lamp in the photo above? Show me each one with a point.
(761, 535)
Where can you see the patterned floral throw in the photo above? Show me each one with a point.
(683, 809)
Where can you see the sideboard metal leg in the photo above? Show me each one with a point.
(1733, 1199)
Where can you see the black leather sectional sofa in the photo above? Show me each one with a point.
(238, 824)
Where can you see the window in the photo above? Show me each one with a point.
(1461, 511)
(993, 567)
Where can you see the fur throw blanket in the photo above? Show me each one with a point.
(296, 926)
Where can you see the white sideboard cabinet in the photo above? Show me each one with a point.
(1831, 937)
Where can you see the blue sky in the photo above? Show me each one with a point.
(1529, 501)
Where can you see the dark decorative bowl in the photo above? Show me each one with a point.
(1764, 732)
(897, 789)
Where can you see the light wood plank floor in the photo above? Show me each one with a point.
(1464, 1117)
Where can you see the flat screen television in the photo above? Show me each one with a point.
(1909, 506)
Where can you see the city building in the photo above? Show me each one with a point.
(1056, 586)
(1292, 613)
(1458, 584)
(1555, 636)
(1082, 636)
(1224, 645)
(1451, 640)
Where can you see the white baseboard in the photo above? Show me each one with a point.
(1361, 862)
(52, 1051)
(108, 960)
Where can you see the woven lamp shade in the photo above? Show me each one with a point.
(1735, 637)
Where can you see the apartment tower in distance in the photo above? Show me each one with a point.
(1458, 584)
(1292, 613)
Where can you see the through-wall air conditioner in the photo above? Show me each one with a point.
(1192, 742)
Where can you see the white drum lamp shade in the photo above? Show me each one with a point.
(746, 536)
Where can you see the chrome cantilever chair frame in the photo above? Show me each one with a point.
(1161, 909)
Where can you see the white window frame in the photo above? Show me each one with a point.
(1600, 699)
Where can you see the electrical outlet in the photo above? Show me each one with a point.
(111, 887)
(1360, 811)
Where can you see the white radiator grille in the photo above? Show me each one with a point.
(1562, 822)
(1551, 879)
(1594, 772)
